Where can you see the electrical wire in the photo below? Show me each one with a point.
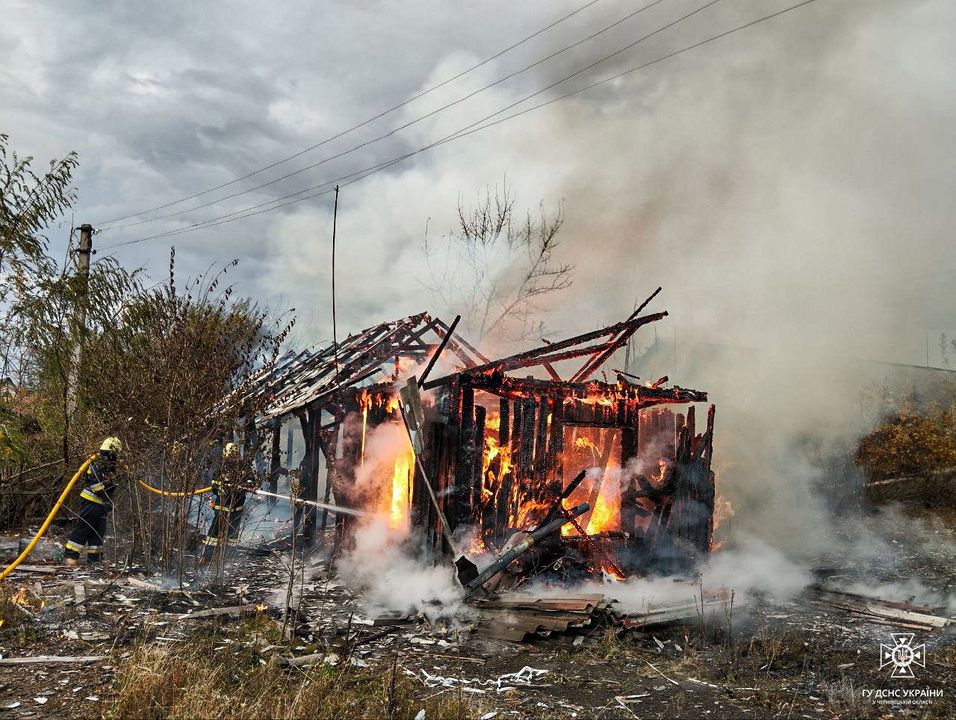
(475, 127)
(421, 118)
(393, 131)
(362, 124)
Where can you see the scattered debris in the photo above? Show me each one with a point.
(508, 681)
(52, 660)
(878, 610)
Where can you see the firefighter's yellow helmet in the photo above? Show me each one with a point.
(112, 444)
(230, 450)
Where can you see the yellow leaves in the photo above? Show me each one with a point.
(911, 443)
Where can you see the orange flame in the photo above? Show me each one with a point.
(723, 511)
(401, 489)
(365, 402)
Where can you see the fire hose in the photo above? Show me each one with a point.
(170, 493)
(165, 493)
(49, 519)
(334, 509)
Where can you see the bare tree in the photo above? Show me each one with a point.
(494, 268)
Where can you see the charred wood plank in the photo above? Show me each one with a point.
(555, 467)
(504, 429)
(539, 355)
(613, 345)
(477, 497)
(541, 442)
(526, 455)
(454, 345)
(464, 470)
(438, 350)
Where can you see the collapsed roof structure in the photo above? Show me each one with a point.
(501, 441)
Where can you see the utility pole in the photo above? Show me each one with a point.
(335, 339)
(83, 251)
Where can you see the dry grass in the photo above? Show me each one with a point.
(205, 679)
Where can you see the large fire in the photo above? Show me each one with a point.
(529, 508)
(395, 471)
(622, 501)
(401, 495)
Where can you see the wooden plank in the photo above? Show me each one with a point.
(466, 458)
(526, 454)
(79, 593)
(541, 443)
(42, 569)
(236, 610)
(477, 463)
(53, 660)
(547, 353)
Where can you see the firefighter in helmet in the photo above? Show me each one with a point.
(96, 501)
(228, 500)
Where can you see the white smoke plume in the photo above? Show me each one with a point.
(382, 564)
(789, 189)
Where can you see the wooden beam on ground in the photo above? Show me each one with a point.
(53, 660)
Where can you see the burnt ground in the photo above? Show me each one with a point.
(771, 659)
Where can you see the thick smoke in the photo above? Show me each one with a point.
(383, 562)
(383, 565)
(788, 186)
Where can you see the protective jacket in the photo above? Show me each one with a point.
(228, 501)
(100, 485)
(96, 501)
(227, 493)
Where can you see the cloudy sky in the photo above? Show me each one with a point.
(788, 185)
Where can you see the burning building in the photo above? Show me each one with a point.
(506, 445)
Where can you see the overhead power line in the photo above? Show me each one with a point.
(362, 124)
(420, 118)
(475, 127)
(614, 53)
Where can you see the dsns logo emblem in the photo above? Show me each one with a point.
(902, 655)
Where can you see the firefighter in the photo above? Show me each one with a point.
(228, 500)
(96, 501)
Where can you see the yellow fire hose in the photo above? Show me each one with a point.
(49, 519)
(167, 493)
(65, 494)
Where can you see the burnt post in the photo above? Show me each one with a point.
(330, 446)
(301, 511)
(511, 477)
(465, 471)
(477, 499)
(275, 460)
(526, 453)
(504, 435)
(541, 443)
(628, 415)
(555, 469)
(310, 484)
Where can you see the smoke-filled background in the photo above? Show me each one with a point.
(789, 185)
